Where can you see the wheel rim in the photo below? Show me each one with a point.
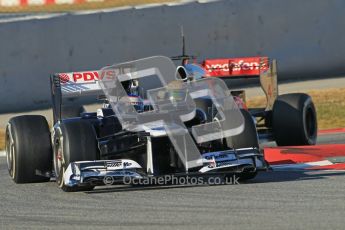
(10, 152)
(58, 160)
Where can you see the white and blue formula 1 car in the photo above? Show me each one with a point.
(153, 123)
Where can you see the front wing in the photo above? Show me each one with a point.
(105, 172)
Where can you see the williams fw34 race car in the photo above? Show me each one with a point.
(156, 120)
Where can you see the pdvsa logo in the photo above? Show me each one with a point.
(64, 78)
(86, 76)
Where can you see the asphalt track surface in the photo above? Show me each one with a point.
(273, 200)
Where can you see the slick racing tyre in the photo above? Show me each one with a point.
(248, 138)
(294, 120)
(73, 141)
(28, 149)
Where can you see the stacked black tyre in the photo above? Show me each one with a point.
(28, 149)
(74, 140)
(294, 120)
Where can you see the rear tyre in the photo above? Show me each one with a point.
(73, 141)
(28, 149)
(294, 120)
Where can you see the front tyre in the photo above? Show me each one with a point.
(247, 139)
(73, 141)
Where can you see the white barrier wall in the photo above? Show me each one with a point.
(306, 36)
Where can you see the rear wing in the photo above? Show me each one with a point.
(236, 67)
(73, 85)
(77, 84)
(247, 67)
